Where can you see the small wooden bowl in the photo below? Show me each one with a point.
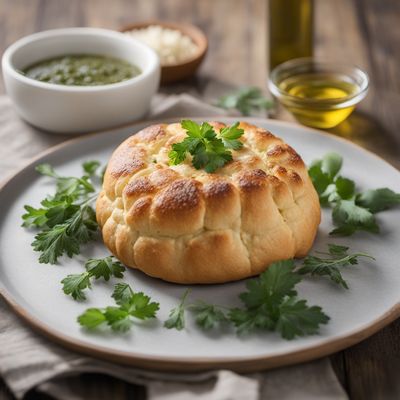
(178, 72)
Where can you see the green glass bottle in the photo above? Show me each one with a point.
(290, 30)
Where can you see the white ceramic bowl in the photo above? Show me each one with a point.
(73, 109)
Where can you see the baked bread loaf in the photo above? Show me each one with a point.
(185, 225)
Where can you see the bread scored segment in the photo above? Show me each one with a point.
(185, 225)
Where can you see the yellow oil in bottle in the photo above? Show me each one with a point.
(290, 30)
(319, 98)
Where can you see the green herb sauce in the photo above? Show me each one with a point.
(82, 70)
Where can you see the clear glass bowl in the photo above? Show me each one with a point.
(319, 94)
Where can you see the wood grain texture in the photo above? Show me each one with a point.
(363, 32)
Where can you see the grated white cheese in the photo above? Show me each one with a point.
(171, 45)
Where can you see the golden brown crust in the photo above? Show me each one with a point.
(187, 226)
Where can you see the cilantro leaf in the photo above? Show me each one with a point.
(378, 199)
(209, 151)
(352, 211)
(246, 100)
(176, 318)
(331, 164)
(320, 180)
(345, 188)
(330, 267)
(349, 218)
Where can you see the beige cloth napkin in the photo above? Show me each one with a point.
(27, 360)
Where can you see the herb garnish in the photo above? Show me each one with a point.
(95, 268)
(209, 150)
(130, 305)
(352, 211)
(337, 257)
(66, 219)
(270, 303)
(177, 315)
(246, 100)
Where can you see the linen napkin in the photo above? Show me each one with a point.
(27, 360)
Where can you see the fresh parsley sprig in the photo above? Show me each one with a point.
(270, 303)
(329, 266)
(207, 316)
(176, 318)
(246, 100)
(104, 268)
(66, 219)
(208, 149)
(352, 211)
(130, 306)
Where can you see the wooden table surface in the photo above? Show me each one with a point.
(362, 32)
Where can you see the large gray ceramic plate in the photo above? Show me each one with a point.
(34, 290)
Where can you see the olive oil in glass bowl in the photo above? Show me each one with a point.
(318, 94)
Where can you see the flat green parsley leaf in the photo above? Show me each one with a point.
(122, 293)
(66, 219)
(208, 316)
(67, 237)
(91, 167)
(230, 136)
(296, 318)
(34, 217)
(75, 284)
(272, 285)
(120, 318)
(246, 100)
(176, 318)
(378, 199)
(209, 151)
(92, 318)
(270, 303)
(105, 268)
(249, 320)
(140, 306)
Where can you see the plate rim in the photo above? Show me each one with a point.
(167, 363)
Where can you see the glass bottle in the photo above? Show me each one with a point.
(290, 30)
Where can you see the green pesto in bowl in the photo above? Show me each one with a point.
(81, 70)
